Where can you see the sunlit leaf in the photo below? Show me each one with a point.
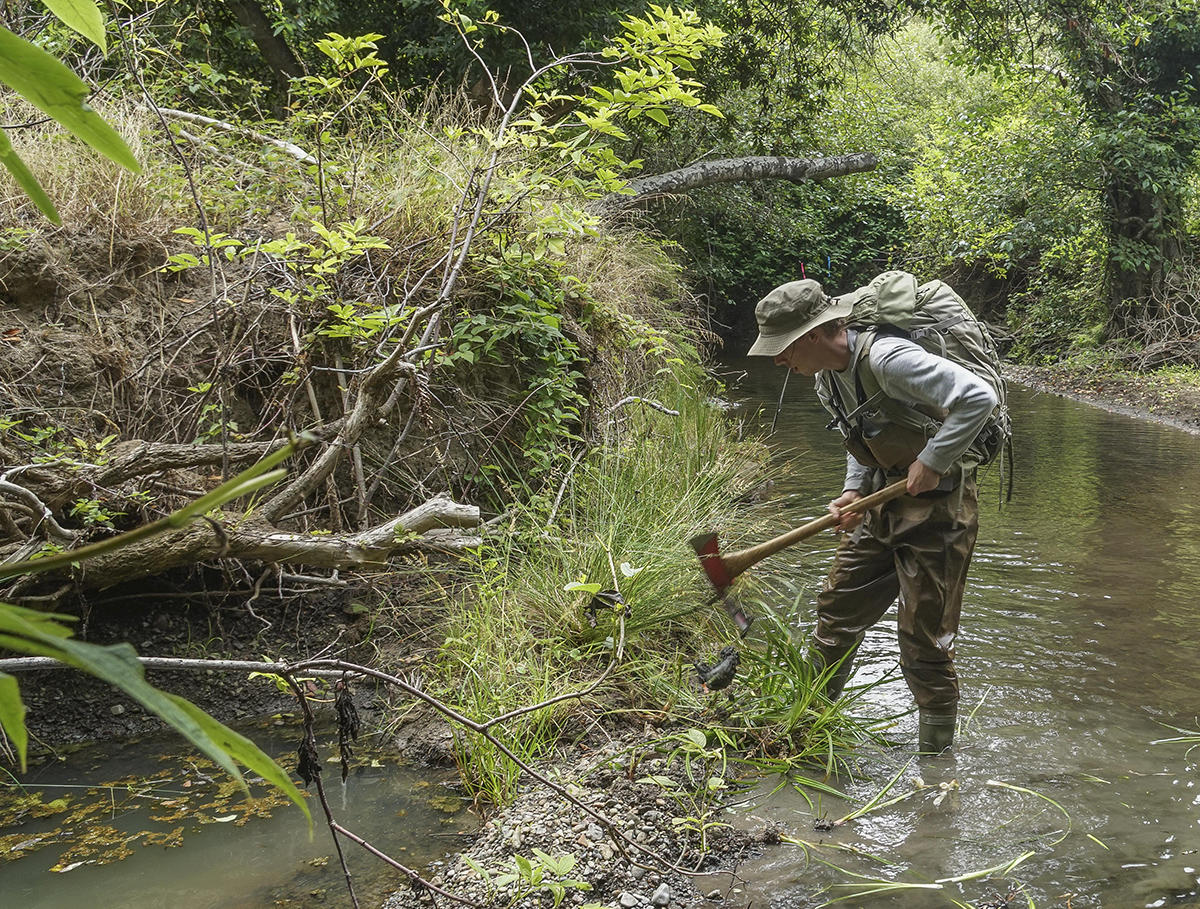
(52, 88)
(83, 16)
(12, 716)
(25, 179)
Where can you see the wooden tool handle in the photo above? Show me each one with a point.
(737, 562)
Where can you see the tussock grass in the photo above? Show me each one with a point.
(89, 190)
(623, 522)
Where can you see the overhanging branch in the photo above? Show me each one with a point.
(738, 170)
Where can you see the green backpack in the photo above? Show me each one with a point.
(935, 317)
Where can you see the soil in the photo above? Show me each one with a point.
(203, 616)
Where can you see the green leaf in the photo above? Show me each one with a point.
(586, 587)
(658, 116)
(242, 749)
(12, 716)
(83, 16)
(25, 179)
(696, 737)
(53, 89)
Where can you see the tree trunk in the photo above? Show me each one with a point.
(275, 50)
(737, 170)
(1145, 231)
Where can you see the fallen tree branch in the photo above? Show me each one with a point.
(435, 525)
(41, 513)
(736, 170)
(288, 148)
(57, 483)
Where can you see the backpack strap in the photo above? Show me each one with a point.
(938, 329)
(871, 393)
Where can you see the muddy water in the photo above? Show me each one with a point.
(219, 851)
(1080, 645)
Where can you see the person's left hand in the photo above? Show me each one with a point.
(922, 478)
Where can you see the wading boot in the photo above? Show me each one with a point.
(936, 730)
(837, 681)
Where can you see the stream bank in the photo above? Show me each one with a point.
(1166, 398)
(537, 819)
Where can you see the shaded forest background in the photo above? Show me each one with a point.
(1040, 156)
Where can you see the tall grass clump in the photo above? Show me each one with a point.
(525, 629)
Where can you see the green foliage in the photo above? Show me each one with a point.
(93, 512)
(28, 632)
(524, 632)
(525, 877)
(704, 767)
(782, 713)
(1133, 72)
(56, 91)
(523, 333)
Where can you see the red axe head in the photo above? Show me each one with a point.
(710, 560)
(718, 573)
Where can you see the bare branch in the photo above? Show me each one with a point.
(288, 148)
(737, 170)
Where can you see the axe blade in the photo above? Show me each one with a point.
(710, 560)
(737, 613)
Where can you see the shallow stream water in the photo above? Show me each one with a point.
(1079, 647)
(194, 842)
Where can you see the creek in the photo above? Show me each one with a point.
(143, 825)
(1079, 648)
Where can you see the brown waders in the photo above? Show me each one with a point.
(917, 548)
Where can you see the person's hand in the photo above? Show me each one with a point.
(850, 520)
(922, 478)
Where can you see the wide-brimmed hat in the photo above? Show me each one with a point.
(790, 311)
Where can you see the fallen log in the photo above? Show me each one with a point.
(734, 170)
(437, 524)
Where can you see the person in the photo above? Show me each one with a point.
(917, 547)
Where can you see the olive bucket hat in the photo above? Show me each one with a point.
(792, 310)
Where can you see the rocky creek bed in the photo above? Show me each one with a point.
(611, 781)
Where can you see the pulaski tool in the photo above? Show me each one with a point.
(722, 569)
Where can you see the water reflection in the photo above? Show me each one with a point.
(1080, 635)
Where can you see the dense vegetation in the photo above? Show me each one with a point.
(394, 226)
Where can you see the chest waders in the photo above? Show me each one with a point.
(915, 550)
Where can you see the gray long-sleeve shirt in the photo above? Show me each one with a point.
(911, 375)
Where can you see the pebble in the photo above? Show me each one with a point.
(554, 826)
(116, 709)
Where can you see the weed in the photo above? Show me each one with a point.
(526, 876)
(704, 768)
